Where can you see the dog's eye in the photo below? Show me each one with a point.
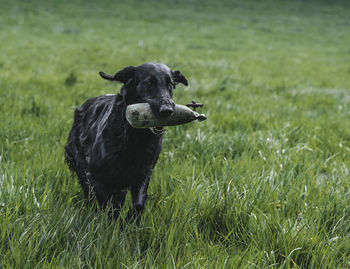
(150, 83)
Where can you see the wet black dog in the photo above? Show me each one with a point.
(107, 154)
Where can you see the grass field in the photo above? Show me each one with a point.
(263, 183)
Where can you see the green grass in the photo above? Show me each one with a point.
(264, 182)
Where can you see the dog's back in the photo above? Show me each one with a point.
(87, 127)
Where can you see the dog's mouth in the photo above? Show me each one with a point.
(157, 130)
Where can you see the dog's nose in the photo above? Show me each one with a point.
(166, 110)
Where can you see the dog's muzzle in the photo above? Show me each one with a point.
(166, 108)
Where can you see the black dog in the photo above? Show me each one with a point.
(107, 154)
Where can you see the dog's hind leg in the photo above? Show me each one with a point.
(84, 183)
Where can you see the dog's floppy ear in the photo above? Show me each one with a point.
(178, 77)
(127, 90)
(122, 76)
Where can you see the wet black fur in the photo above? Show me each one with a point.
(107, 154)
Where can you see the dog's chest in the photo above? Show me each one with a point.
(143, 150)
(138, 160)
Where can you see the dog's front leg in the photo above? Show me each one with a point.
(138, 195)
(105, 194)
(118, 200)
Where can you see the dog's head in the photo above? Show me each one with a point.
(151, 83)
